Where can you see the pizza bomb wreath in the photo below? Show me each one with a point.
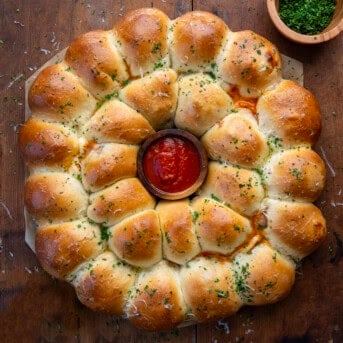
(237, 238)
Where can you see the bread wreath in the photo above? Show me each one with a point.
(159, 263)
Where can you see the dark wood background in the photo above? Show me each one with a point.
(35, 308)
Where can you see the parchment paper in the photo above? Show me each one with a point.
(291, 70)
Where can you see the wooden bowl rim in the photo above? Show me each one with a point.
(202, 156)
(298, 37)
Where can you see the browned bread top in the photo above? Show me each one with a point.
(49, 145)
(196, 39)
(107, 163)
(236, 139)
(142, 40)
(180, 243)
(291, 113)
(154, 96)
(53, 197)
(201, 103)
(95, 59)
(57, 95)
(103, 283)
(208, 286)
(63, 247)
(249, 62)
(116, 122)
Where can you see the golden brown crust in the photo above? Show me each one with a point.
(295, 174)
(295, 229)
(56, 95)
(201, 103)
(156, 302)
(54, 197)
(196, 40)
(263, 276)
(208, 289)
(47, 144)
(103, 283)
(62, 247)
(290, 113)
(115, 122)
(95, 59)
(154, 96)
(218, 228)
(137, 240)
(107, 163)
(250, 62)
(180, 243)
(236, 139)
(239, 189)
(118, 201)
(142, 39)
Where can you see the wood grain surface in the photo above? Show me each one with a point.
(36, 308)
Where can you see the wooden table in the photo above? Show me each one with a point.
(35, 308)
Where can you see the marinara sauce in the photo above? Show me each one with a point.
(172, 164)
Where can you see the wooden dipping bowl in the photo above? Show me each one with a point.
(334, 28)
(175, 133)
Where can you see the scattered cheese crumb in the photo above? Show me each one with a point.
(28, 270)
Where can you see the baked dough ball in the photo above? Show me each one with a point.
(137, 240)
(62, 247)
(218, 228)
(118, 201)
(48, 145)
(103, 283)
(180, 243)
(263, 276)
(236, 139)
(289, 114)
(296, 174)
(154, 96)
(202, 103)
(196, 39)
(57, 95)
(157, 295)
(295, 229)
(95, 59)
(237, 188)
(236, 240)
(116, 122)
(208, 287)
(54, 198)
(142, 40)
(249, 62)
(107, 163)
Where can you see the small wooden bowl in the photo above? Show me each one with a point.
(334, 28)
(202, 157)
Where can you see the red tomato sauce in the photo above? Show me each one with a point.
(171, 164)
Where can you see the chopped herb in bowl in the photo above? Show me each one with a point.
(308, 17)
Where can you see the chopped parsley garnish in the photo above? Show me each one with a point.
(150, 292)
(156, 47)
(308, 17)
(241, 275)
(105, 234)
(214, 197)
(296, 173)
(195, 215)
